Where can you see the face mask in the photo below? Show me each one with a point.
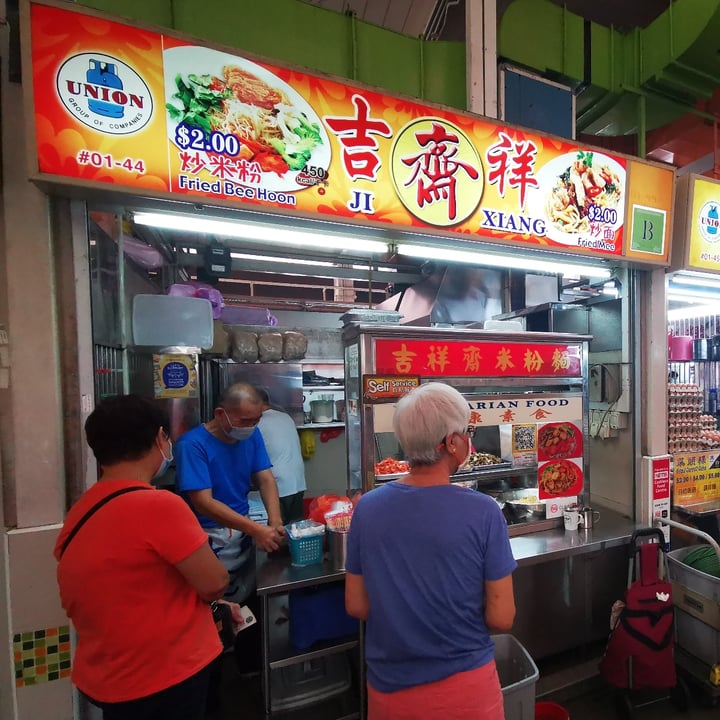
(238, 433)
(165, 464)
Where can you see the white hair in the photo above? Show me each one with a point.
(425, 416)
(239, 393)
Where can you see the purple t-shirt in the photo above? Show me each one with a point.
(204, 462)
(424, 554)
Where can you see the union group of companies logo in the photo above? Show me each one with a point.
(709, 222)
(104, 93)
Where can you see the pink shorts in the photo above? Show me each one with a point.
(471, 695)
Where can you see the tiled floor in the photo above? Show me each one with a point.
(589, 700)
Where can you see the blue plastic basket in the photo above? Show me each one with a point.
(305, 550)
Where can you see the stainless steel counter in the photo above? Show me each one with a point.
(275, 574)
(612, 530)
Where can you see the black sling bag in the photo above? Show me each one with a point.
(93, 510)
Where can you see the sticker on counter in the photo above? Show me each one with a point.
(175, 376)
(560, 478)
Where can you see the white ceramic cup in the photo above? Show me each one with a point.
(572, 519)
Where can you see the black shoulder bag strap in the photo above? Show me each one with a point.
(93, 510)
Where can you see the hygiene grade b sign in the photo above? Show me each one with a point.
(120, 105)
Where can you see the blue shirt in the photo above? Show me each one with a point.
(204, 462)
(424, 554)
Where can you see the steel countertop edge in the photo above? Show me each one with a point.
(276, 574)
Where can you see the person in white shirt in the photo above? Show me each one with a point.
(283, 447)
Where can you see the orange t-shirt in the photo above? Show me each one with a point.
(141, 626)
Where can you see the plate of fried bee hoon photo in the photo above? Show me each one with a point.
(225, 105)
(579, 191)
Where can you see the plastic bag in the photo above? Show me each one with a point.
(327, 504)
(192, 288)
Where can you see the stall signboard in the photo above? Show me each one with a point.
(651, 191)
(438, 358)
(702, 225)
(126, 107)
(387, 388)
(696, 477)
(175, 376)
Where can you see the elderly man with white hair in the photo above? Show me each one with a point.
(429, 567)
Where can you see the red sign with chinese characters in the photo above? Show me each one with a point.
(438, 358)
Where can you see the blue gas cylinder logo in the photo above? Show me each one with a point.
(104, 93)
(709, 222)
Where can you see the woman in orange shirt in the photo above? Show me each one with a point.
(136, 576)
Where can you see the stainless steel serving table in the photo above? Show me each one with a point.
(566, 580)
(277, 576)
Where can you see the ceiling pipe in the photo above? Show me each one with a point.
(665, 59)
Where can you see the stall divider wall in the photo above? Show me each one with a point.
(32, 420)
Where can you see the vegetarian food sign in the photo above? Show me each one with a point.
(124, 106)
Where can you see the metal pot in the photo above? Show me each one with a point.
(701, 349)
(517, 499)
(322, 411)
(715, 347)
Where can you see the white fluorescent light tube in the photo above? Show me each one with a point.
(289, 261)
(264, 233)
(697, 282)
(683, 293)
(503, 261)
(692, 312)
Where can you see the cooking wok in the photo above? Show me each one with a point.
(517, 500)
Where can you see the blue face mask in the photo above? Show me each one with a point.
(238, 433)
(165, 464)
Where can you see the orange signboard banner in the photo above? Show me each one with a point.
(124, 106)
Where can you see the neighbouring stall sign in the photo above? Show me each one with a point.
(696, 477)
(703, 251)
(387, 388)
(124, 106)
(175, 376)
(437, 358)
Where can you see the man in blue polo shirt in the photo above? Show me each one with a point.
(216, 462)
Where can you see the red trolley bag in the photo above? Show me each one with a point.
(639, 653)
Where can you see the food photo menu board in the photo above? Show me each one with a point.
(560, 459)
(154, 113)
